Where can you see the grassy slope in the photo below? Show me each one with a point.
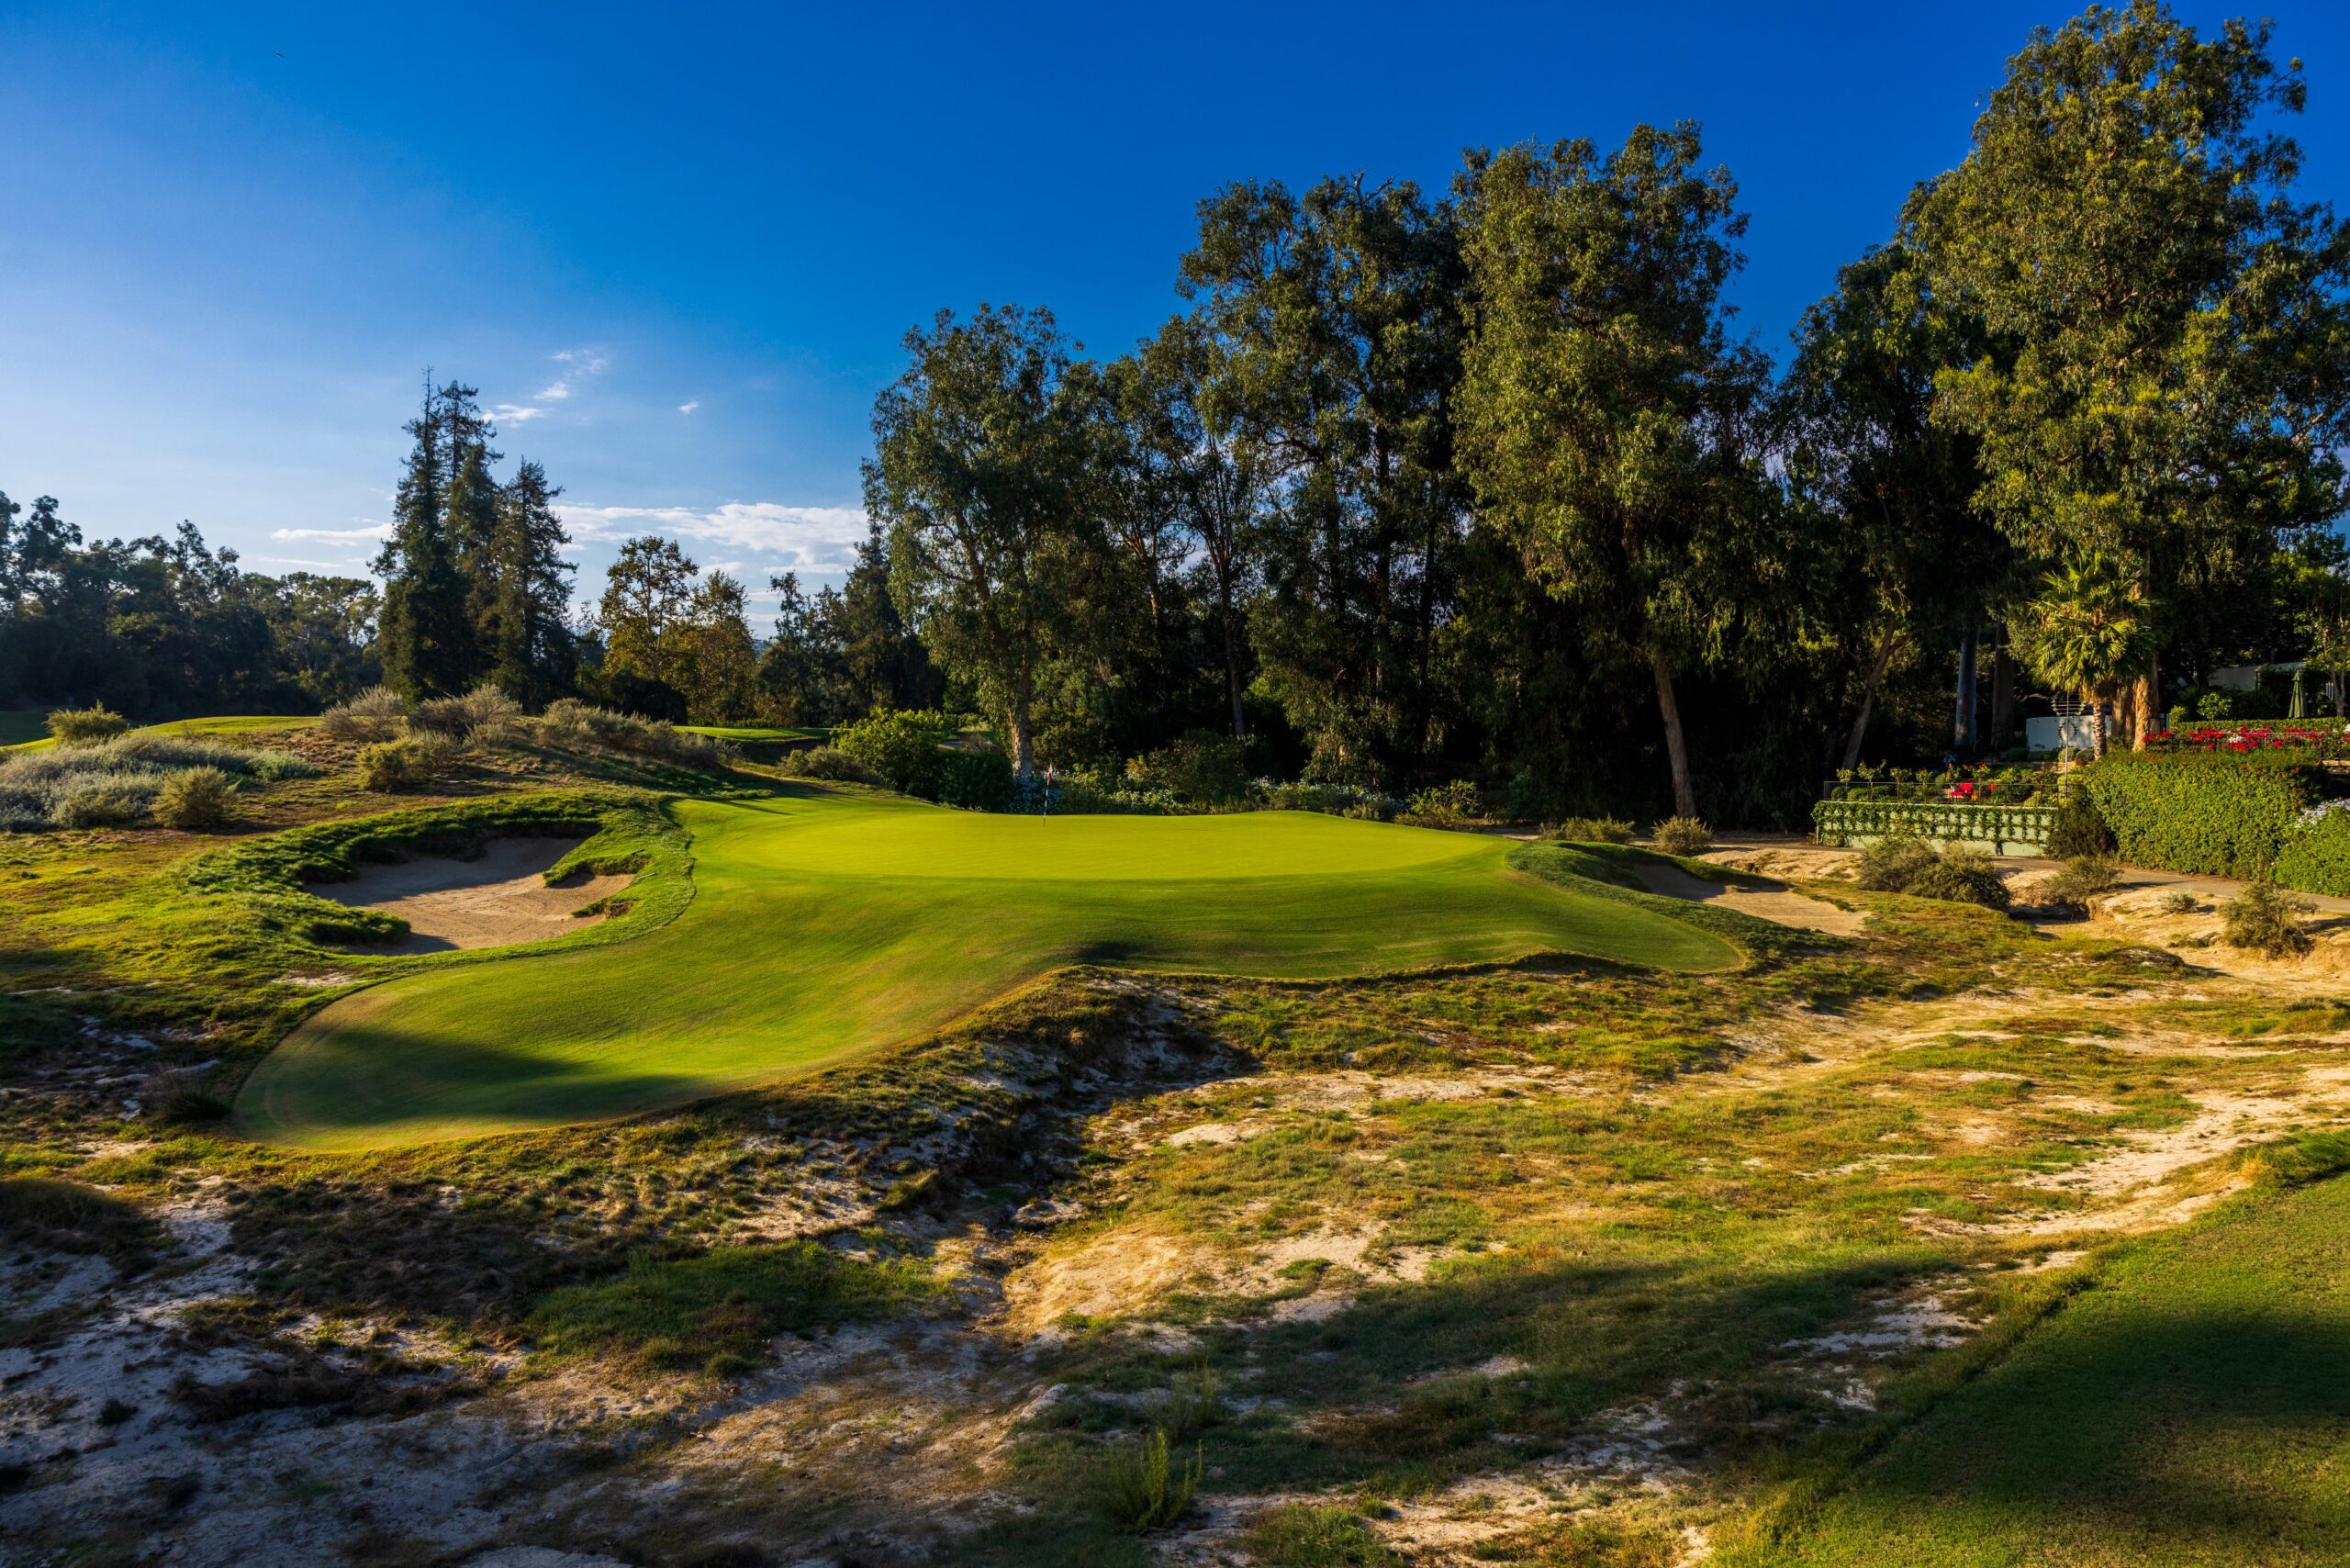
(825, 924)
(29, 732)
(2188, 1410)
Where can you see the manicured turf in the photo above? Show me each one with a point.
(2193, 1408)
(29, 732)
(825, 925)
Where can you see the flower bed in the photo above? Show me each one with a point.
(2324, 739)
(2003, 830)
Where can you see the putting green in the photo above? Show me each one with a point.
(827, 925)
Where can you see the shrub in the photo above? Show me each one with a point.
(1592, 830)
(1684, 835)
(2216, 813)
(2084, 878)
(406, 764)
(1889, 865)
(1302, 1535)
(2079, 830)
(2316, 856)
(197, 798)
(829, 763)
(2181, 903)
(976, 781)
(1529, 798)
(374, 714)
(571, 723)
(2266, 920)
(899, 747)
(1962, 876)
(85, 726)
(1143, 1490)
(1203, 769)
(483, 716)
(1456, 801)
(100, 805)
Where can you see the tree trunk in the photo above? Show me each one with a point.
(2003, 686)
(1023, 743)
(1232, 662)
(1676, 750)
(1877, 667)
(1963, 735)
(2146, 693)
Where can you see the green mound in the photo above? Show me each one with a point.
(825, 924)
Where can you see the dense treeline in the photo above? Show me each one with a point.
(1478, 485)
(1486, 484)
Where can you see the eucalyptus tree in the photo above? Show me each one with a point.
(1607, 421)
(1338, 328)
(982, 475)
(2171, 361)
(1890, 491)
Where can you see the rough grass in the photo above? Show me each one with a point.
(718, 1309)
(902, 917)
(2186, 1410)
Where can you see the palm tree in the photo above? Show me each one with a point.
(2088, 626)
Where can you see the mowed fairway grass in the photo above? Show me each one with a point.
(825, 925)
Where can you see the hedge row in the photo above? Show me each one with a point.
(1844, 820)
(2316, 858)
(2207, 814)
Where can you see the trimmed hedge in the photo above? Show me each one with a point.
(1948, 821)
(2316, 858)
(2208, 813)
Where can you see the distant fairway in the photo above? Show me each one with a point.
(823, 926)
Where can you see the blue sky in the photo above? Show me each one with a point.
(679, 248)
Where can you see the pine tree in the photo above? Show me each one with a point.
(529, 646)
(425, 640)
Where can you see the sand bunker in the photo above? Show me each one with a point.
(498, 897)
(1779, 904)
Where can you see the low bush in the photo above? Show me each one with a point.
(2181, 903)
(1888, 865)
(374, 714)
(830, 764)
(1143, 1489)
(2085, 877)
(1457, 801)
(196, 798)
(1684, 835)
(1203, 769)
(99, 805)
(1914, 866)
(407, 764)
(2266, 920)
(1962, 876)
(571, 723)
(1592, 830)
(900, 747)
(1339, 800)
(1304, 1535)
(2079, 828)
(45, 1211)
(483, 716)
(2211, 813)
(86, 726)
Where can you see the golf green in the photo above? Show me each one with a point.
(825, 925)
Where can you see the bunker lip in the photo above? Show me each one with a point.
(496, 899)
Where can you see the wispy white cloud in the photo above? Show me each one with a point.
(803, 539)
(578, 365)
(689, 406)
(373, 530)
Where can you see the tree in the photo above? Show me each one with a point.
(2169, 325)
(648, 594)
(978, 473)
(2086, 627)
(529, 586)
(1891, 491)
(1605, 415)
(1339, 320)
(426, 638)
(715, 663)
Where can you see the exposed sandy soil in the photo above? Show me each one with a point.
(1781, 905)
(500, 896)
